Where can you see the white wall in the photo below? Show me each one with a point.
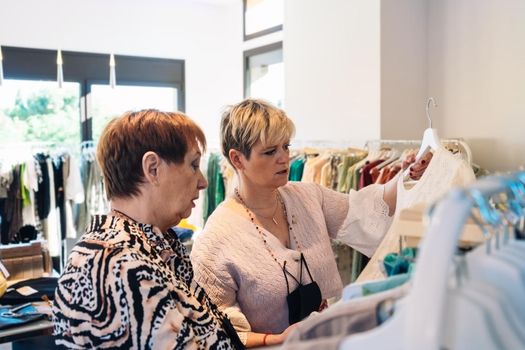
(476, 70)
(403, 69)
(357, 70)
(207, 36)
(332, 78)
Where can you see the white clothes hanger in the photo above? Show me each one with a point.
(430, 139)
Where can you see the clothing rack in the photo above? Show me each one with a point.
(423, 318)
(55, 224)
(456, 143)
(328, 144)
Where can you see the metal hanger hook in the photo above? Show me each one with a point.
(430, 99)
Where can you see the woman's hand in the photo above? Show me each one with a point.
(286, 332)
(324, 305)
(418, 168)
(262, 339)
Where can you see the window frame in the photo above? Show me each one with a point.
(260, 33)
(93, 68)
(252, 52)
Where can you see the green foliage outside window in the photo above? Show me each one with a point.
(46, 115)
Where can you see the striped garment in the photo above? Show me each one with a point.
(128, 286)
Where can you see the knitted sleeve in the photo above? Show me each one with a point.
(335, 209)
(220, 286)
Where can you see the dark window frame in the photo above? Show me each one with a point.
(259, 33)
(256, 51)
(93, 68)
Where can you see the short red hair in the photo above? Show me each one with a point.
(127, 138)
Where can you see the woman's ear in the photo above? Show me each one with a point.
(236, 158)
(150, 167)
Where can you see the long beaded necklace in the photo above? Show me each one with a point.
(263, 236)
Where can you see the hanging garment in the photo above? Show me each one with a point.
(73, 192)
(444, 171)
(215, 192)
(60, 200)
(95, 195)
(43, 199)
(30, 182)
(50, 225)
(297, 169)
(13, 208)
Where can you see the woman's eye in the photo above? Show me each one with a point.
(286, 147)
(270, 152)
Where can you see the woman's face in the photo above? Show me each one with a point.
(268, 165)
(179, 187)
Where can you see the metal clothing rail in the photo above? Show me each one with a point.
(462, 146)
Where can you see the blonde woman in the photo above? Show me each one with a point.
(264, 256)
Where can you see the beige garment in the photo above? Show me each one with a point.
(318, 166)
(327, 174)
(312, 169)
(445, 171)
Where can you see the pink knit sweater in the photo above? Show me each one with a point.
(232, 264)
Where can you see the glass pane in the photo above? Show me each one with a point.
(263, 14)
(107, 103)
(39, 112)
(265, 77)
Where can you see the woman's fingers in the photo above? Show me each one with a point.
(418, 169)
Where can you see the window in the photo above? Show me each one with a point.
(107, 103)
(262, 17)
(264, 73)
(32, 110)
(86, 78)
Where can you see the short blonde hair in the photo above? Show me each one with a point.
(251, 120)
(127, 138)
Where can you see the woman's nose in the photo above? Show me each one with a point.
(284, 157)
(203, 183)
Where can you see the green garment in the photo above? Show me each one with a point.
(296, 169)
(215, 193)
(396, 264)
(384, 285)
(24, 191)
(342, 170)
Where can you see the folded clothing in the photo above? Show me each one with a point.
(43, 288)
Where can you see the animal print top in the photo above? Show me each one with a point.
(129, 286)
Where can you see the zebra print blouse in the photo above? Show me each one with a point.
(127, 285)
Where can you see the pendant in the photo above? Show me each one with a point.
(274, 221)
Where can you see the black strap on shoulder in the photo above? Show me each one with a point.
(285, 271)
(303, 260)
